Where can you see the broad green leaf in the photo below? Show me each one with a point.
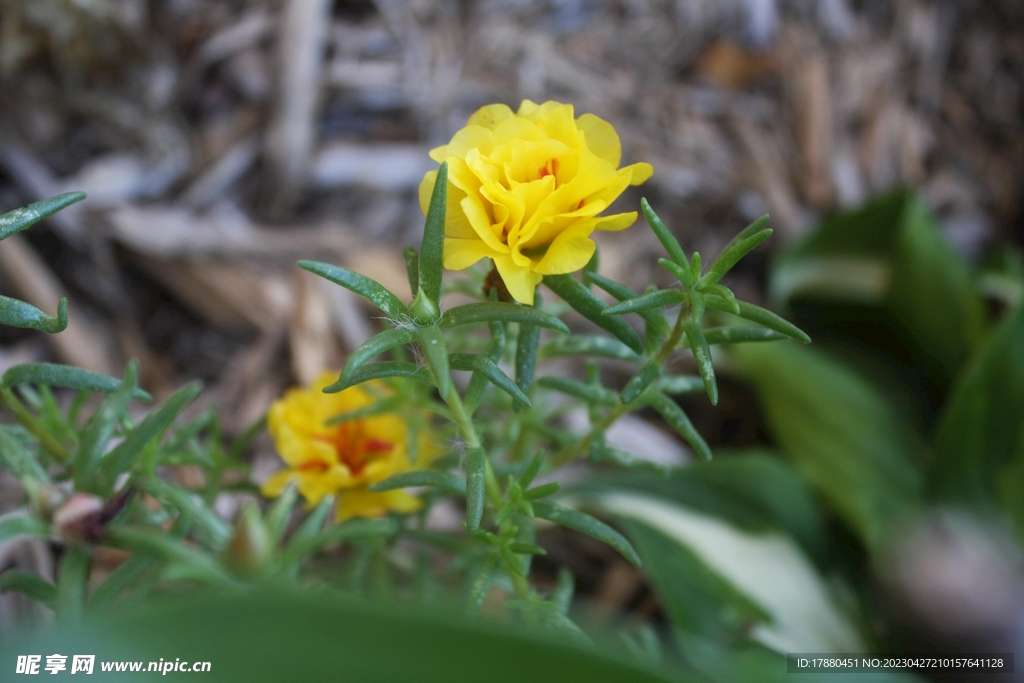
(370, 289)
(702, 355)
(664, 235)
(761, 316)
(587, 345)
(656, 299)
(853, 447)
(19, 219)
(381, 370)
(588, 392)
(432, 247)
(476, 362)
(590, 307)
(17, 313)
(319, 637)
(766, 577)
(890, 257)
(476, 465)
(373, 347)
(979, 439)
(470, 314)
(446, 481)
(584, 523)
(54, 375)
(151, 428)
(679, 421)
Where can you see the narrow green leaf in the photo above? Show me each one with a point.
(664, 235)
(731, 255)
(587, 345)
(55, 375)
(629, 461)
(173, 551)
(526, 355)
(72, 584)
(479, 363)
(151, 428)
(725, 293)
(205, 521)
(19, 219)
(470, 314)
(29, 585)
(592, 308)
(653, 317)
(101, 427)
(20, 524)
(679, 421)
(584, 523)
(381, 370)
(311, 526)
(352, 530)
(565, 588)
(412, 268)
(476, 465)
(587, 392)
(17, 459)
(760, 316)
(373, 347)
(543, 491)
(370, 289)
(436, 352)
(495, 351)
(479, 584)
(681, 273)
(679, 384)
(755, 227)
(446, 481)
(17, 313)
(702, 354)
(281, 511)
(127, 573)
(656, 299)
(432, 246)
(526, 549)
(737, 335)
(532, 470)
(640, 381)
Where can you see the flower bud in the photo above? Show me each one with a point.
(73, 521)
(250, 547)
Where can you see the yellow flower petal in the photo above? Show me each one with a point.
(490, 115)
(569, 252)
(641, 172)
(460, 254)
(520, 282)
(601, 138)
(615, 222)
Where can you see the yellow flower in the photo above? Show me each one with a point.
(342, 459)
(525, 189)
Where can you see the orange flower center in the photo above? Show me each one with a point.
(353, 447)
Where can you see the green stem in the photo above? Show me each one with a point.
(29, 421)
(581, 446)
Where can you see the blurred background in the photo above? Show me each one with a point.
(221, 140)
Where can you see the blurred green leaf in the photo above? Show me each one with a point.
(588, 392)
(476, 466)
(890, 255)
(29, 585)
(54, 375)
(656, 299)
(679, 421)
(587, 345)
(17, 459)
(373, 347)
(846, 438)
(19, 524)
(731, 255)
(979, 439)
(320, 638)
(640, 381)
(101, 427)
(381, 370)
(761, 316)
(446, 481)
